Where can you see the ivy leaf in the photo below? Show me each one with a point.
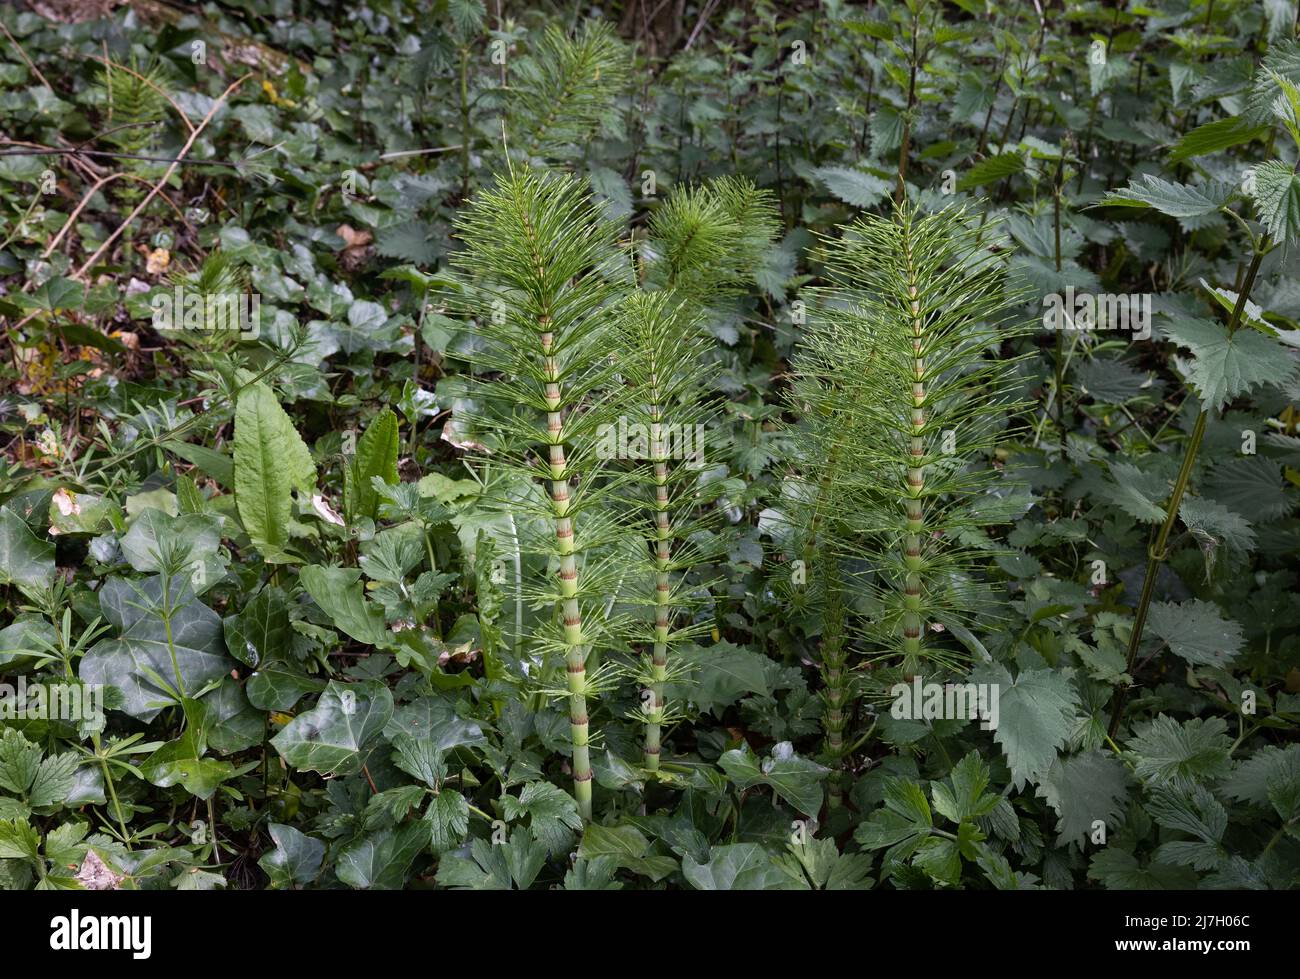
(260, 633)
(142, 654)
(336, 735)
(628, 847)
(296, 859)
(280, 686)
(796, 780)
(271, 460)
(1277, 199)
(1196, 631)
(1176, 200)
(1036, 715)
(379, 861)
(25, 559)
(737, 867)
(1169, 753)
(230, 721)
(1225, 367)
(1082, 789)
(190, 541)
(181, 762)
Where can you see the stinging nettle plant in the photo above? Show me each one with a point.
(904, 397)
(1228, 360)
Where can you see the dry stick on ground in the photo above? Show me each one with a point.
(194, 135)
(30, 64)
(54, 243)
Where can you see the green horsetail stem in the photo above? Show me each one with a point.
(575, 650)
(663, 611)
(913, 620)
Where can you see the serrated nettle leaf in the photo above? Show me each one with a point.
(1214, 137)
(1037, 715)
(1174, 754)
(1175, 199)
(1196, 631)
(1277, 200)
(1225, 367)
(1088, 793)
(854, 186)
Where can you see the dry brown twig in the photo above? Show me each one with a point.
(189, 143)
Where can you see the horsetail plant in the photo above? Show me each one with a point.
(665, 359)
(905, 400)
(703, 242)
(550, 267)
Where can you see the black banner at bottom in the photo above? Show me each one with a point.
(139, 931)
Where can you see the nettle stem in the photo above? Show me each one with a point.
(1157, 553)
(571, 610)
(913, 619)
